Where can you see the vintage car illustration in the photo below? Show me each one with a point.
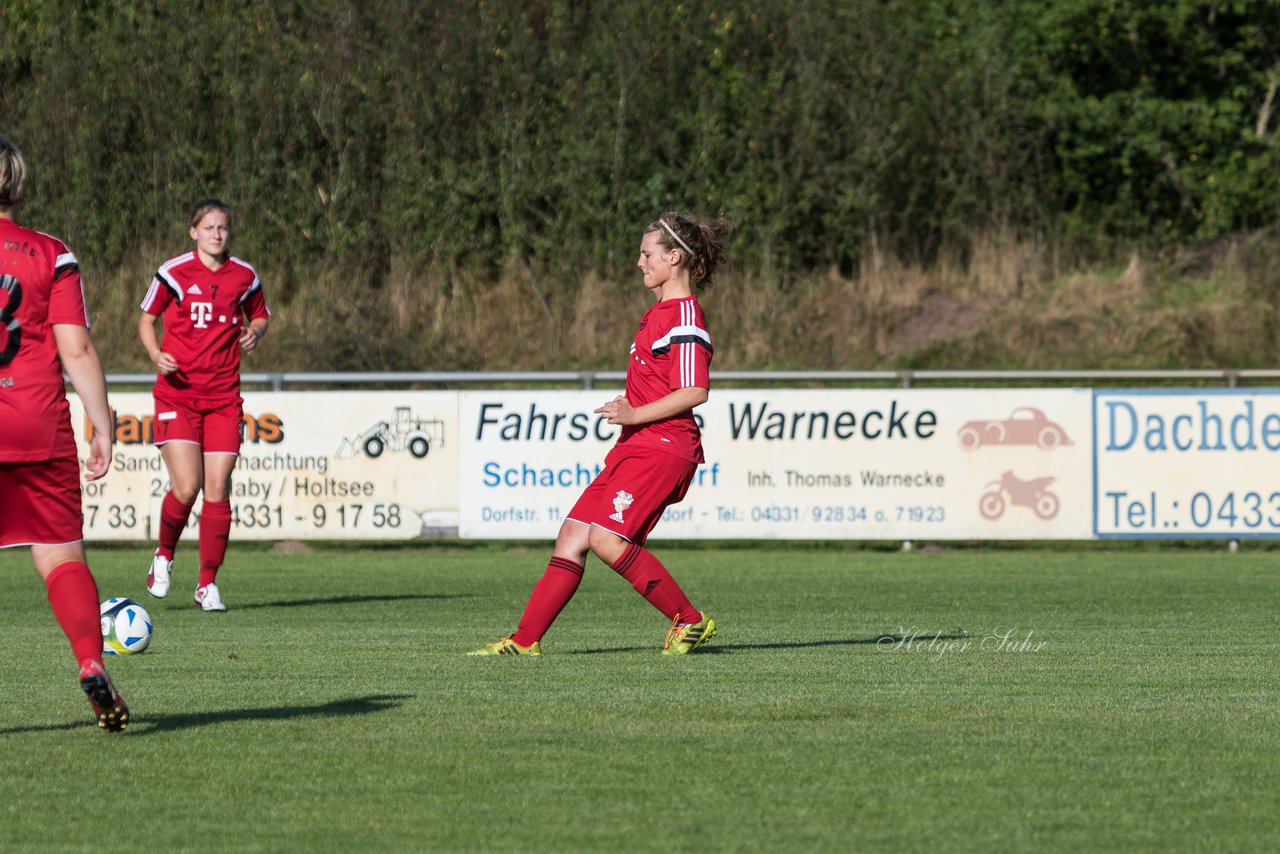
(1024, 426)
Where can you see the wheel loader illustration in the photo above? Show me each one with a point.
(403, 432)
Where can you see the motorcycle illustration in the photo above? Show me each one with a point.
(1009, 489)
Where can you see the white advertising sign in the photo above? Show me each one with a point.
(789, 464)
(898, 464)
(1187, 463)
(314, 465)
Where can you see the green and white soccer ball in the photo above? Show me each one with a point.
(126, 627)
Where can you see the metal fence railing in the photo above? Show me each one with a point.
(907, 378)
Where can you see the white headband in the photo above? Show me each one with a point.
(672, 232)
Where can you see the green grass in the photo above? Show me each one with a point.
(332, 709)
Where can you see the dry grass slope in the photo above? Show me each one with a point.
(1006, 302)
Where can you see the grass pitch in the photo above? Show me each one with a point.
(854, 700)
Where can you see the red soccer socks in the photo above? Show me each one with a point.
(552, 592)
(652, 581)
(173, 521)
(73, 596)
(215, 530)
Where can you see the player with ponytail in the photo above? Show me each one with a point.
(658, 450)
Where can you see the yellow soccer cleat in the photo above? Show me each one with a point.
(507, 646)
(108, 705)
(686, 637)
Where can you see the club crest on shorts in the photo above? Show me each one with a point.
(621, 502)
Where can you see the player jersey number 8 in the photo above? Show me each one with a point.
(9, 320)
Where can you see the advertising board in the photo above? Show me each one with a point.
(792, 464)
(892, 464)
(314, 465)
(1187, 463)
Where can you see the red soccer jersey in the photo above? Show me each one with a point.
(203, 312)
(39, 286)
(672, 350)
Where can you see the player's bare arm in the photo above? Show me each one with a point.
(253, 333)
(151, 341)
(80, 361)
(620, 411)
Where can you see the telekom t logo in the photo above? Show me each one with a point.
(200, 314)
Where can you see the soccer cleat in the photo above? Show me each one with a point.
(158, 576)
(686, 637)
(507, 646)
(108, 705)
(207, 598)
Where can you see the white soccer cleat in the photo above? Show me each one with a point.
(158, 576)
(207, 598)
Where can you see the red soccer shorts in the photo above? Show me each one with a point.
(41, 503)
(215, 426)
(627, 498)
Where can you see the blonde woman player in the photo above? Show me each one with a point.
(658, 449)
(44, 330)
(212, 307)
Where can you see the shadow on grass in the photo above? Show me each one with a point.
(349, 600)
(717, 648)
(145, 724)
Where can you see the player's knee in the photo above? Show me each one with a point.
(573, 539)
(606, 546)
(49, 558)
(212, 494)
(186, 492)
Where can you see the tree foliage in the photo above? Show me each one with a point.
(472, 135)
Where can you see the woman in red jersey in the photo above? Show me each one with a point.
(658, 449)
(44, 330)
(212, 307)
